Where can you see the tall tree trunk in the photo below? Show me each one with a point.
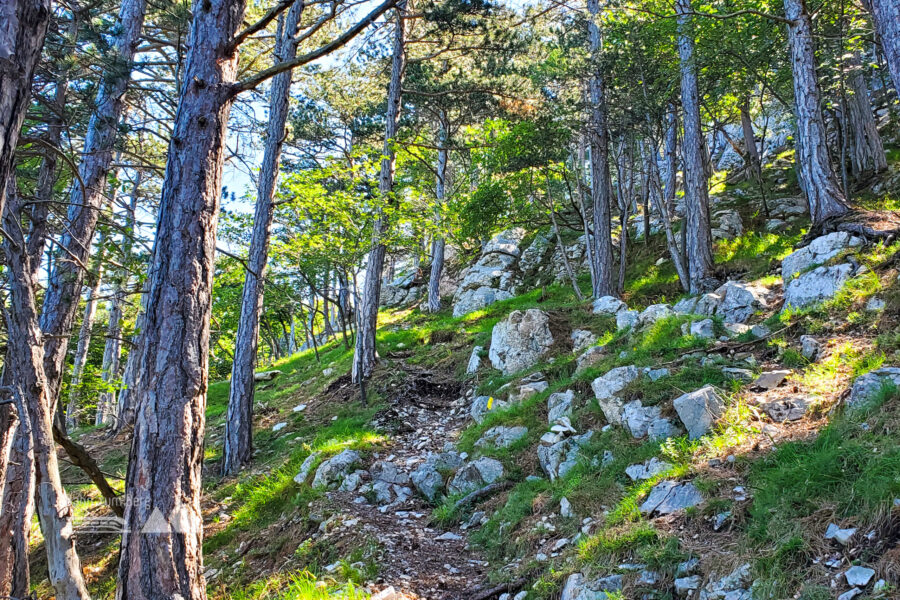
(698, 247)
(238, 444)
(17, 512)
(867, 150)
(753, 156)
(437, 246)
(130, 376)
(61, 299)
(84, 342)
(657, 194)
(817, 178)
(600, 179)
(886, 15)
(35, 405)
(161, 548)
(24, 25)
(106, 406)
(364, 354)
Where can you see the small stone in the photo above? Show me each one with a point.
(448, 537)
(841, 536)
(278, 427)
(541, 557)
(565, 508)
(686, 585)
(474, 360)
(771, 379)
(859, 576)
(850, 594)
(688, 567)
(299, 408)
(789, 409)
(809, 347)
(875, 305)
(560, 544)
(699, 410)
(704, 329)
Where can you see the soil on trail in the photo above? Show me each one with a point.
(415, 558)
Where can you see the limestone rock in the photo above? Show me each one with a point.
(727, 225)
(265, 375)
(647, 470)
(867, 387)
(306, 468)
(699, 410)
(789, 409)
(734, 586)
(809, 347)
(667, 497)
(589, 358)
(559, 405)
(769, 380)
(333, 470)
(388, 471)
(740, 301)
(578, 587)
(490, 279)
(654, 313)
(474, 360)
(558, 459)
(482, 405)
(704, 329)
(581, 339)
(527, 390)
(608, 305)
(819, 251)
(627, 319)
(520, 341)
(859, 576)
(637, 418)
(816, 286)
(475, 475)
(501, 437)
(607, 389)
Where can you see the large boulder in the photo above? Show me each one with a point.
(401, 291)
(520, 341)
(608, 305)
(332, 471)
(608, 389)
(819, 251)
(699, 410)
(475, 475)
(734, 301)
(654, 313)
(560, 405)
(490, 279)
(818, 285)
(867, 387)
(559, 458)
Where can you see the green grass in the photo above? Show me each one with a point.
(300, 585)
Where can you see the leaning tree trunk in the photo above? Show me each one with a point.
(162, 546)
(24, 25)
(364, 355)
(886, 15)
(35, 405)
(16, 514)
(698, 247)
(867, 151)
(600, 178)
(238, 445)
(438, 245)
(817, 178)
(131, 373)
(753, 156)
(64, 289)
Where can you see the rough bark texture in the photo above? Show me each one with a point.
(238, 443)
(364, 354)
(437, 246)
(698, 247)
(23, 25)
(886, 14)
(866, 149)
(26, 363)
(64, 290)
(598, 139)
(130, 376)
(16, 513)
(161, 549)
(816, 173)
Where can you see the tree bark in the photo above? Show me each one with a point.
(106, 405)
(64, 289)
(23, 25)
(17, 512)
(867, 152)
(161, 548)
(886, 15)
(698, 247)
(238, 444)
(600, 178)
(36, 407)
(437, 246)
(84, 342)
(131, 374)
(816, 173)
(364, 354)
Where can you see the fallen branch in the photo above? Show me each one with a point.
(484, 492)
(503, 588)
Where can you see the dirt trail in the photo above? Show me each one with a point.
(417, 559)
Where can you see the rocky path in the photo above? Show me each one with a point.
(416, 559)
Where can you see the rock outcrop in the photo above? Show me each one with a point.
(818, 252)
(520, 341)
(491, 278)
